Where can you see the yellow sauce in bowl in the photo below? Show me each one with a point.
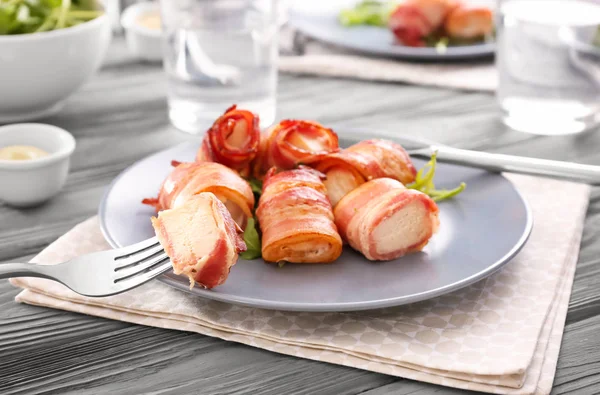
(21, 152)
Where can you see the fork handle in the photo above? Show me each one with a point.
(25, 270)
(498, 162)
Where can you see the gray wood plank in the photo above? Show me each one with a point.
(579, 366)
(585, 298)
(119, 117)
(70, 352)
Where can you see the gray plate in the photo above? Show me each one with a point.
(321, 23)
(480, 231)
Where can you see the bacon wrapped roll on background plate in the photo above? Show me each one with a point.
(232, 140)
(384, 220)
(296, 218)
(364, 161)
(189, 179)
(414, 20)
(201, 239)
(291, 142)
(469, 22)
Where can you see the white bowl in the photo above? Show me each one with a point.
(31, 182)
(39, 71)
(143, 42)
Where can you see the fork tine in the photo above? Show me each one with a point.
(143, 265)
(135, 281)
(125, 252)
(133, 259)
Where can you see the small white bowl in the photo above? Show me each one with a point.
(39, 71)
(145, 43)
(30, 182)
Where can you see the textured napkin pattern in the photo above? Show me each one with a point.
(500, 335)
(312, 57)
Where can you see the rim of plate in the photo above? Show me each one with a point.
(325, 307)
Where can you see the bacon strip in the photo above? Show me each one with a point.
(469, 22)
(232, 140)
(366, 160)
(296, 219)
(292, 142)
(201, 239)
(384, 220)
(413, 20)
(189, 179)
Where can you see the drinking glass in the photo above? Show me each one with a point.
(218, 53)
(548, 60)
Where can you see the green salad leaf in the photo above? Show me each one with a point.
(34, 16)
(424, 182)
(368, 12)
(252, 240)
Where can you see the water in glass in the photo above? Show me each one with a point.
(549, 66)
(219, 53)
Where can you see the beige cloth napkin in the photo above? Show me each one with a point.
(321, 59)
(500, 335)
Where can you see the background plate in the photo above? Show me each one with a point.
(320, 21)
(480, 231)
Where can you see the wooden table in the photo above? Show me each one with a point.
(120, 117)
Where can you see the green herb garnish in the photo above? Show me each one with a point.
(252, 240)
(368, 12)
(441, 42)
(442, 45)
(424, 182)
(34, 16)
(256, 185)
(596, 40)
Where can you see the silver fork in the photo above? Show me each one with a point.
(100, 273)
(578, 172)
